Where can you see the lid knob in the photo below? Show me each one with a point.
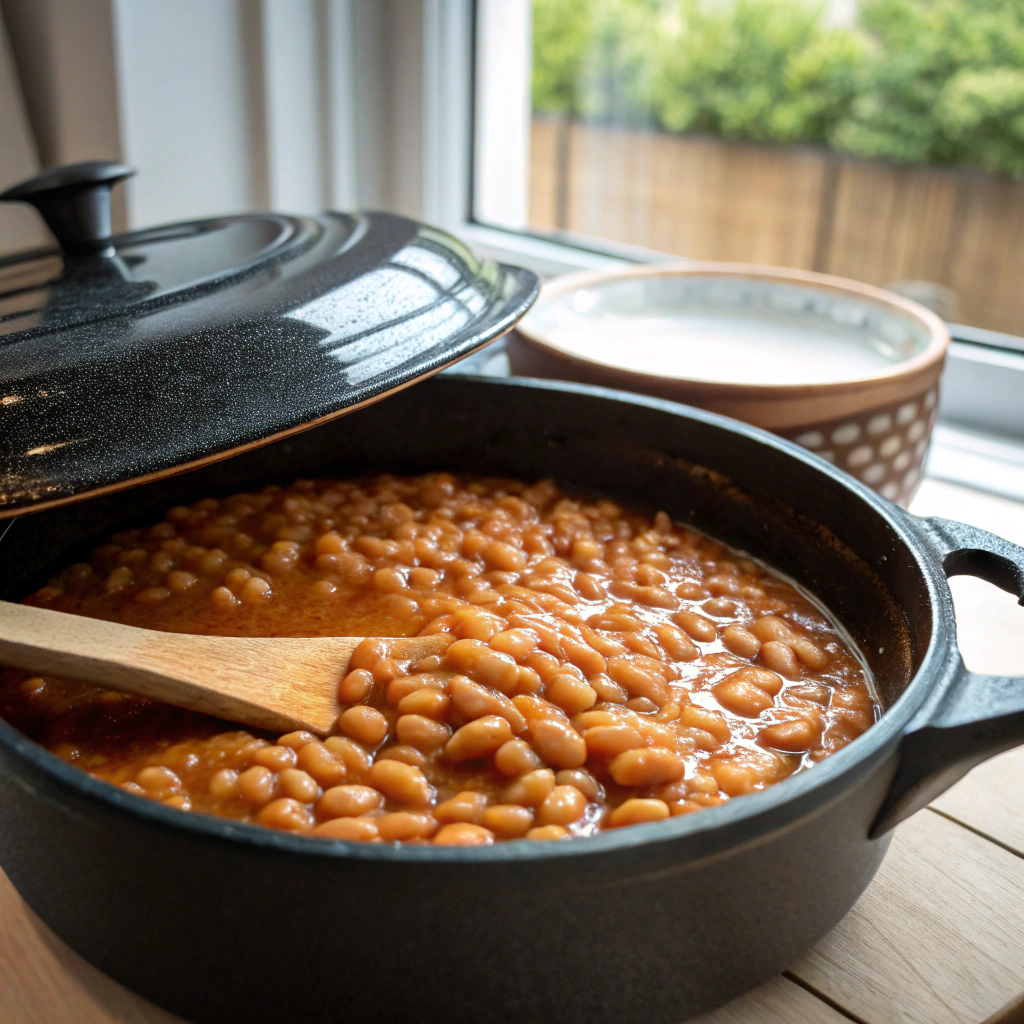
(74, 200)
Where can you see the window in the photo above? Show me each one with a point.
(863, 138)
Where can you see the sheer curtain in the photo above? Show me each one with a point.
(19, 225)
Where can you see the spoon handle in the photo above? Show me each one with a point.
(274, 683)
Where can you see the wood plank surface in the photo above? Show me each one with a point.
(990, 799)
(781, 1001)
(938, 938)
(543, 189)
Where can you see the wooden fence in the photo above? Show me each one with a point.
(804, 207)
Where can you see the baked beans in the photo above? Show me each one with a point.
(606, 669)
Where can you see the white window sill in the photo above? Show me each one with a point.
(977, 459)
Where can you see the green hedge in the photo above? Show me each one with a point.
(922, 81)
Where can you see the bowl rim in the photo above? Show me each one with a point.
(930, 357)
(750, 819)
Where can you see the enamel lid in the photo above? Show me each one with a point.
(128, 357)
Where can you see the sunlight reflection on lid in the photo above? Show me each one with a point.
(430, 264)
(377, 322)
(367, 304)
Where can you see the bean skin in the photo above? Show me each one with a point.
(516, 757)
(741, 641)
(463, 834)
(286, 814)
(572, 695)
(492, 668)
(779, 657)
(349, 755)
(696, 626)
(365, 725)
(647, 766)
(544, 832)
(402, 783)
(771, 627)
(476, 701)
(608, 741)
(319, 760)
(507, 821)
(256, 785)
(426, 701)
(809, 653)
(794, 736)
(516, 643)
(562, 806)
(714, 722)
(405, 753)
(348, 801)
(358, 830)
(638, 681)
(742, 697)
(558, 744)
(582, 780)
(421, 732)
(401, 826)
(465, 806)
(531, 789)
(478, 738)
(299, 785)
(636, 811)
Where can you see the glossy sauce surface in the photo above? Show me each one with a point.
(606, 668)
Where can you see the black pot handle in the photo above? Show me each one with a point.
(977, 716)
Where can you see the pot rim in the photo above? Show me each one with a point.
(754, 812)
(930, 358)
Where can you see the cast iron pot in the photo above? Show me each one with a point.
(226, 922)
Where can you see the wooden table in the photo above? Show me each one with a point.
(938, 938)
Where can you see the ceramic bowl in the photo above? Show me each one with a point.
(845, 369)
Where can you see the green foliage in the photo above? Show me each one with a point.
(562, 35)
(929, 81)
(982, 115)
(943, 83)
(755, 69)
(591, 58)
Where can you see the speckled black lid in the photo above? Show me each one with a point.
(127, 357)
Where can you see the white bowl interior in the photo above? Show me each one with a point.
(726, 329)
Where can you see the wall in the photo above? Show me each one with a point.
(63, 54)
(225, 106)
(20, 228)
(186, 90)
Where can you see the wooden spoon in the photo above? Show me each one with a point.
(275, 683)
